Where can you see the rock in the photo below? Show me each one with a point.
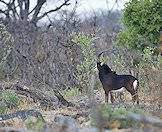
(12, 129)
(65, 120)
(62, 123)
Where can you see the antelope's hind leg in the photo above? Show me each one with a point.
(109, 97)
(106, 97)
(112, 97)
(136, 98)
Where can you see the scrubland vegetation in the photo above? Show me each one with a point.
(48, 74)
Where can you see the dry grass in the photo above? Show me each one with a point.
(81, 112)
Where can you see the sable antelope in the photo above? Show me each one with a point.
(114, 82)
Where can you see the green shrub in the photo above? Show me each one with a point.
(34, 124)
(5, 50)
(2, 74)
(105, 116)
(142, 21)
(71, 92)
(3, 107)
(10, 98)
(86, 68)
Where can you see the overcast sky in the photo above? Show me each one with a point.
(84, 6)
(87, 5)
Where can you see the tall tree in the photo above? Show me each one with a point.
(21, 10)
(142, 21)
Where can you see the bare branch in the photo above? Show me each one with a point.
(20, 2)
(13, 8)
(26, 10)
(1, 11)
(4, 2)
(56, 9)
(27, 3)
(5, 12)
(37, 10)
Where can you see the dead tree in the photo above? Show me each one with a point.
(21, 10)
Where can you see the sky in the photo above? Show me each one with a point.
(84, 6)
(88, 5)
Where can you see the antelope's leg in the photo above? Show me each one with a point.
(136, 97)
(112, 98)
(106, 97)
(133, 93)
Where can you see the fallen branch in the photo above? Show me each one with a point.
(23, 114)
(40, 96)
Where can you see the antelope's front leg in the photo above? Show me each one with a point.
(106, 97)
(135, 98)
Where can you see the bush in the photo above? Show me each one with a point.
(34, 124)
(71, 92)
(142, 21)
(86, 68)
(105, 116)
(3, 107)
(10, 98)
(6, 44)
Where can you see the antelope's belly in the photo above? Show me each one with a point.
(118, 90)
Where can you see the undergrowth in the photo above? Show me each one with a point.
(105, 116)
(71, 92)
(8, 100)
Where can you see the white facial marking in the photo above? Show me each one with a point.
(102, 63)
